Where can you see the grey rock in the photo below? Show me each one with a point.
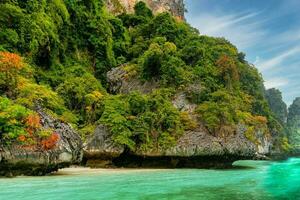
(67, 151)
(175, 7)
(101, 145)
(120, 83)
(196, 143)
(181, 102)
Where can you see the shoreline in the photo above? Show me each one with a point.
(74, 170)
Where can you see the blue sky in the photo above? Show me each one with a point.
(268, 31)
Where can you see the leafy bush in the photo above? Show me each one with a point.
(74, 90)
(143, 122)
(159, 62)
(21, 125)
(10, 66)
(31, 94)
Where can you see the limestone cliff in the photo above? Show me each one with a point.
(196, 148)
(175, 7)
(293, 123)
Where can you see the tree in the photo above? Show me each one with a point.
(151, 61)
(228, 71)
(141, 9)
(74, 90)
(10, 65)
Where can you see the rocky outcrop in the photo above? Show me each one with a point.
(175, 7)
(120, 81)
(293, 124)
(196, 148)
(20, 160)
(100, 150)
(277, 105)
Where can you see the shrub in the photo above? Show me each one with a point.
(10, 65)
(143, 122)
(75, 89)
(21, 125)
(31, 94)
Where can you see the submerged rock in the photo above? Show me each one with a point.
(19, 160)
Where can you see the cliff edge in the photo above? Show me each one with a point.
(175, 7)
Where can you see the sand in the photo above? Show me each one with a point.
(86, 170)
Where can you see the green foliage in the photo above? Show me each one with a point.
(143, 122)
(152, 61)
(31, 94)
(141, 9)
(12, 117)
(19, 125)
(69, 46)
(228, 71)
(86, 131)
(160, 62)
(74, 90)
(220, 110)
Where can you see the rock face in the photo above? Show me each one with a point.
(196, 148)
(121, 82)
(17, 160)
(293, 123)
(99, 150)
(175, 7)
(277, 105)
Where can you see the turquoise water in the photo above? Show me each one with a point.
(264, 180)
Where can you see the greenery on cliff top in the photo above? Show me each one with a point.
(67, 47)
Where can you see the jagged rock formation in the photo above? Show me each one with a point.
(196, 148)
(175, 7)
(17, 160)
(293, 123)
(278, 107)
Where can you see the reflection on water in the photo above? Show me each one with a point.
(261, 180)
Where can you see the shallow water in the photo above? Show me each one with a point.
(261, 180)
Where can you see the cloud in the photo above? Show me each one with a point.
(242, 29)
(268, 33)
(275, 61)
(276, 82)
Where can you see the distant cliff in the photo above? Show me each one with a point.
(175, 7)
(293, 123)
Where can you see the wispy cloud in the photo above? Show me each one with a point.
(268, 33)
(275, 61)
(276, 82)
(236, 27)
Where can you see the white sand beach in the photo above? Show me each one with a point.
(75, 170)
